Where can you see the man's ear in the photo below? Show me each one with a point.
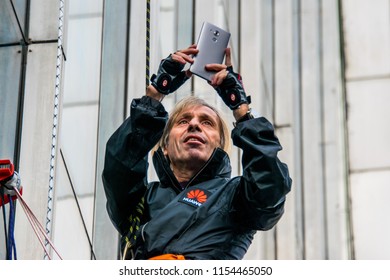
(165, 151)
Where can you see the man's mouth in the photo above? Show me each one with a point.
(194, 138)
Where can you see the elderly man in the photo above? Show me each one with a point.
(195, 210)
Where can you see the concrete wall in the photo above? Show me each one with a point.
(367, 75)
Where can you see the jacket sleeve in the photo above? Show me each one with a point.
(265, 180)
(125, 165)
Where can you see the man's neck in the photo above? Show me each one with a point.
(184, 171)
(183, 175)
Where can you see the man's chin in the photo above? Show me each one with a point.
(197, 156)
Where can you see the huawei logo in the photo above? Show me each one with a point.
(195, 197)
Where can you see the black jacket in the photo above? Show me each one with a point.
(215, 216)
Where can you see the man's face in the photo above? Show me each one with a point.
(194, 136)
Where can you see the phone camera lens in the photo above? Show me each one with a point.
(216, 33)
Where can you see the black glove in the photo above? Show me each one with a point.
(170, 76)
(232, 91)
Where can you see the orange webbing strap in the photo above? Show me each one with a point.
(168, 257)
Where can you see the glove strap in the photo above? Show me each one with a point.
(170, 76)
(232, 92)
(162, 82)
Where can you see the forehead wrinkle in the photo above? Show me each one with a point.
(186, 115)
(190, 113)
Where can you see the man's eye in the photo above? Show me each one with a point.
(208, 123)
(183, 121)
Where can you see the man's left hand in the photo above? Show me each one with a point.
(228, 84)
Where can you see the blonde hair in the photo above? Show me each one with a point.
(192, 101)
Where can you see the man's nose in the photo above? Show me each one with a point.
(194, 125)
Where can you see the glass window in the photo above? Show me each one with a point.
(10, 69)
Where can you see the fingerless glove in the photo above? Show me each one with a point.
(170, 76)
(232, 91)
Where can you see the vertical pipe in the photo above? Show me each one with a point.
(126, 79)
(273, 101)
(298, 145)
(273, 93)
(351, 242)
(322, 129)
(22, 84)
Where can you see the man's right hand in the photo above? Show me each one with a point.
(170, 75)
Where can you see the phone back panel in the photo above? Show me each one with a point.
(211, 44)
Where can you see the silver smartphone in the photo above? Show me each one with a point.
(212, 43)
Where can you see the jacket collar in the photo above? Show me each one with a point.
(218, 166)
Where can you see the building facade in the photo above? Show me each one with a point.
(318, 70)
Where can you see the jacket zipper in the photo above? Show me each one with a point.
(189, 182)
(200, 171)
(175, 182)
